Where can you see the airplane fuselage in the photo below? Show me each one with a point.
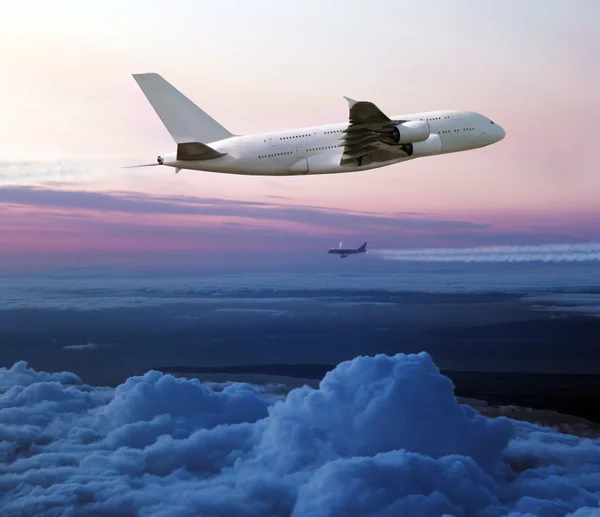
(344, 253)
(319, 149)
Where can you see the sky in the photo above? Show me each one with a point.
(72, 116)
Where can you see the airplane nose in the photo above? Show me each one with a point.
(501, 133)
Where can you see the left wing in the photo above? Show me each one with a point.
(368, 135)
(363, 112)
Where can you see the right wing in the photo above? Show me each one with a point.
(368, 135)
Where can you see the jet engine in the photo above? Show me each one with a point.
(430, 147)
(410, 132)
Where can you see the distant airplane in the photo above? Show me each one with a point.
(343, 253)
(370, 139)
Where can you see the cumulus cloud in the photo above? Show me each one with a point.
(379, 436)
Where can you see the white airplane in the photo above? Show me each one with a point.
(369, 140)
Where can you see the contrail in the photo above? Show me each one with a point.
(540, 253)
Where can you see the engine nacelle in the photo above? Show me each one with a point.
(410, 132)
(430, 147)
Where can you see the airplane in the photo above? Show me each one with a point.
(368, 140)
(343, 253)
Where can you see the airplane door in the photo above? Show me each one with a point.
(274, 140)
(483, 128)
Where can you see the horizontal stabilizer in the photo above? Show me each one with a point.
(142, 165)
(185, 121)
(193, 151)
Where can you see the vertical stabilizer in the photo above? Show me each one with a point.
(185, 121)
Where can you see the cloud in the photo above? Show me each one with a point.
(535, 253)
(52, 173)
(135, 203)
(115, 292)
(254, 312)
(87, 346)
(362, 303)
(380, 436)
(590, 310)
(579, 303)
(203, 292)
(47, 228)
(565, 298)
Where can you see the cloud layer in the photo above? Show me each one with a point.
(313, 217)
(380, 436)
(578, 303)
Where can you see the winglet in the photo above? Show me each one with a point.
(351, 102)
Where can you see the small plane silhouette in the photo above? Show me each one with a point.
(343, 253)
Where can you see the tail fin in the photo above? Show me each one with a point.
(363, 247)
(185, 121)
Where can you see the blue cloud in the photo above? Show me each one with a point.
(380, 436)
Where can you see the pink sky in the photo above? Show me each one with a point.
(71, 113)
(71, 227)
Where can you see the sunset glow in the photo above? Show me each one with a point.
(72, 116)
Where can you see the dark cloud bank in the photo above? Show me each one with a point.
(382, 436)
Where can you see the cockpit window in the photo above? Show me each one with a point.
(492, 122)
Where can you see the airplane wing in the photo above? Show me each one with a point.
(363, 112)
(368, 135)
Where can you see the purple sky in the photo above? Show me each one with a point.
(72, 116)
